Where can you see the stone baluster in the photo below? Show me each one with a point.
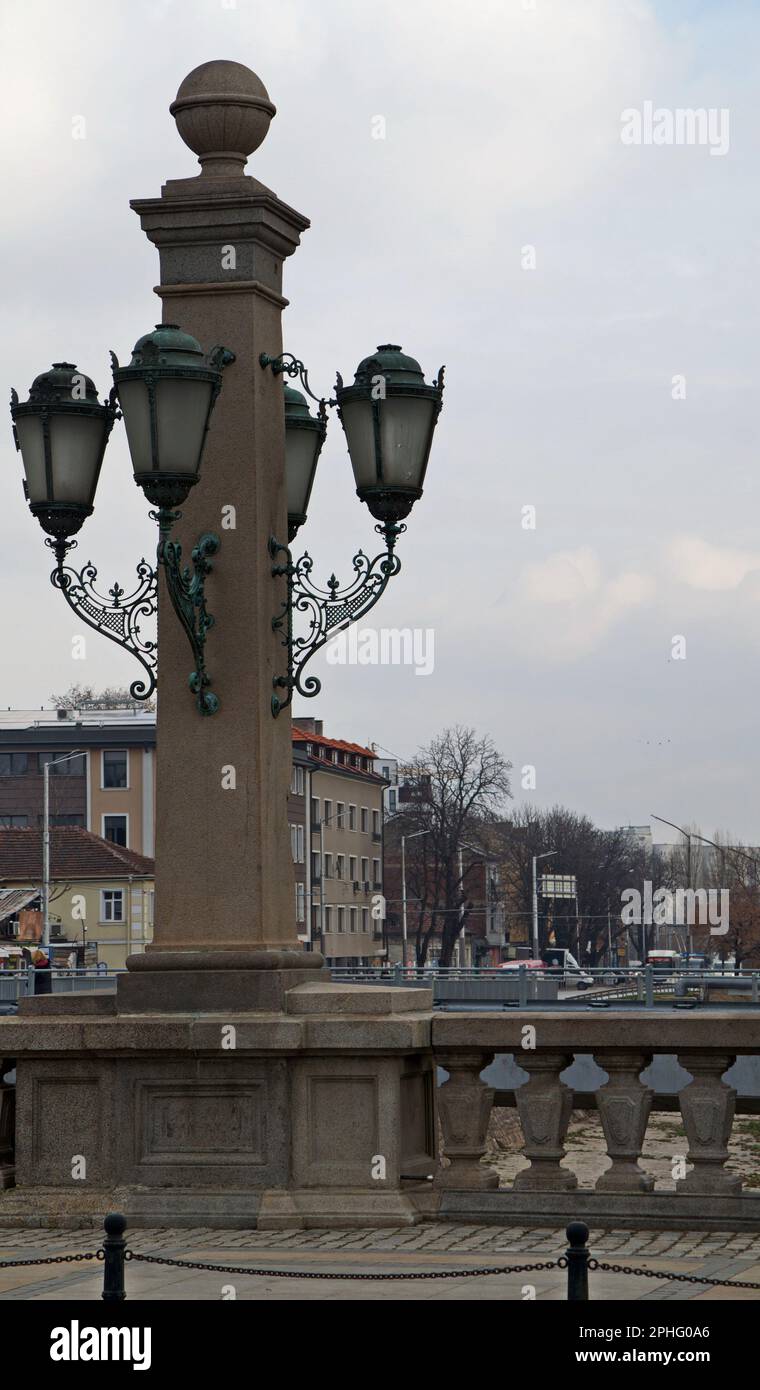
(624, 1103)
(464, 1104)
(544, 1105)
(707, 1107)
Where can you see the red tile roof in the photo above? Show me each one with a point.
(303, 736)
(74, 854)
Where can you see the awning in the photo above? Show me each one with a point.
(13, 899)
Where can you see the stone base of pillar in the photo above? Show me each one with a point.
(325, 1210)
(209, 991)
(7, 1175)
(319, 1112)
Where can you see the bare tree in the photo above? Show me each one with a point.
(455, 788)
(84, 697)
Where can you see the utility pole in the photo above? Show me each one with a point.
(53, 762)
(404, 937)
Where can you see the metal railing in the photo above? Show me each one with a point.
(597, 985)
(19, 984)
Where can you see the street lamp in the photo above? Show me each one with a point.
(62, 432)
(166, 395)
(388, 415)
(548, 854)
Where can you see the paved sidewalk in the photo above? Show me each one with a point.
(426, 1248)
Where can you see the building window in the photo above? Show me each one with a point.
(354, 919)
(341, 815)
(365, 870)
(115, 769)
(392, 799)
(340, 865)
(352, 863)
(328, 866)
(300, 902)
(315, 866)
(14, 764)
(73, 767)
(386, 773)
(327, 817)
(352, 817)
(365, 919)
(63, 820)
(375, 822)
(341, 911)
(297, 781)
(376, 873)
(115, 830)
(112, 905)
(14, 822)
(297, 843)
(328, 918)
(315, 811)
(365, 820)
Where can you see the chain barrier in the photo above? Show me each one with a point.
(577, 1261)
(54, 1259)
(333, 1274)
(674, 1278)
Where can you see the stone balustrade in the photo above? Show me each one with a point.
(544, 1045)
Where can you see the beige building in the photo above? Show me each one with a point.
(343, 826)
(101, 895)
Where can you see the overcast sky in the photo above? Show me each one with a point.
(503, 132)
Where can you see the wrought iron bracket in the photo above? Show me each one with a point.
(288, 365)
(329, 610)
(187, 590)
(117, 617)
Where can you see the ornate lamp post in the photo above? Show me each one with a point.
(261, 470)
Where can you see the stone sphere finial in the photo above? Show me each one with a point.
(222, 112)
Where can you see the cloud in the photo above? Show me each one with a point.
(701, 565)
(567, 600)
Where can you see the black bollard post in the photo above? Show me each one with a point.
(114, 1246)
(577, 1256)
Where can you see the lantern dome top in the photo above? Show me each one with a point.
(389, 361)
(60, 381)
(168, 345)
(296, 404)
(222, 110)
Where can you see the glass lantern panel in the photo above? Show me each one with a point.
(357, 423)
(405, 426)
(182, 410)
(76, 442)
(135, 407)
(300, 448)
(30, 439)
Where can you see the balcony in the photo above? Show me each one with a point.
(706, 1045)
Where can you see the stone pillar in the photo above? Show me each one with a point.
(544, 1105)
(624, 1104)
(464, 1106)
(7, 1125)
(224, 875)
(707, 1107)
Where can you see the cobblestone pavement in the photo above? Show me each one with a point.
(429, 1247)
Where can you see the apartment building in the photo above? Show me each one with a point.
(102, 773)
(343, 846)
